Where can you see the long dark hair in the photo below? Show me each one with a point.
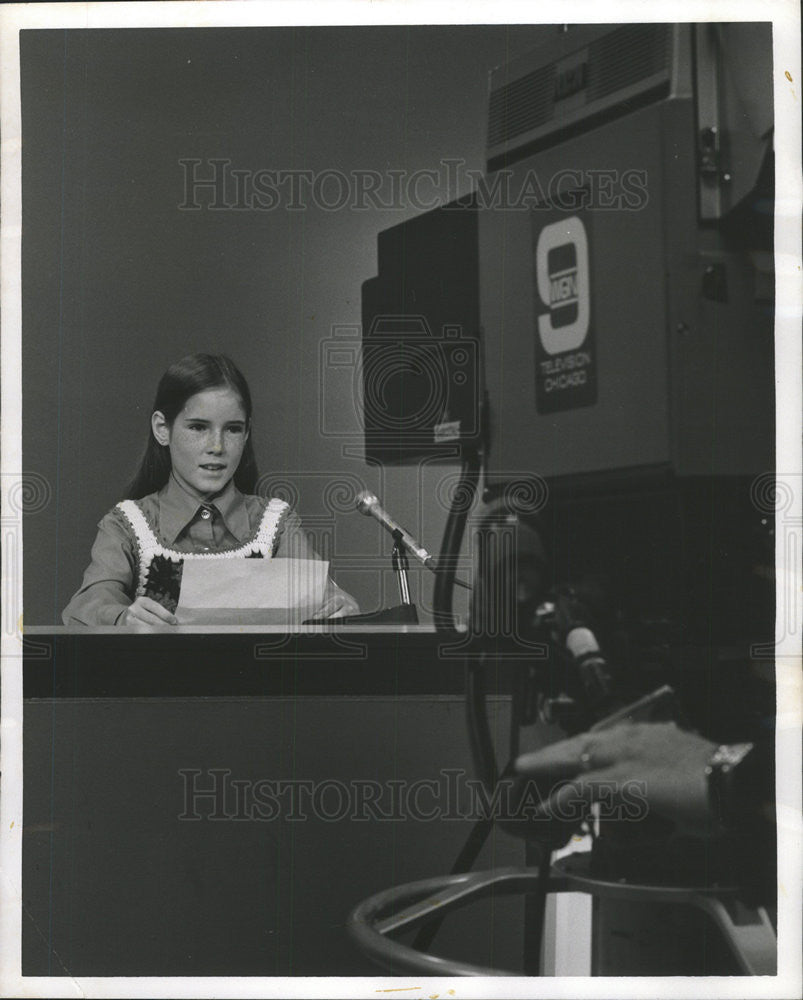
(184, 379)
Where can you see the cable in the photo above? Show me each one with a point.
(452, 539)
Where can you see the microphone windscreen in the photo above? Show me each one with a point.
(365, 501)
(581, 641)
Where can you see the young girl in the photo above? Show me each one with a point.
(193, 498)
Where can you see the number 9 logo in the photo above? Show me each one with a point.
(561, 262)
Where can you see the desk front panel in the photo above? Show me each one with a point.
(332, 773)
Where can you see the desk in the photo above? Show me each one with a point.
(121, 878)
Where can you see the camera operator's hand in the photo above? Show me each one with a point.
(668, 763)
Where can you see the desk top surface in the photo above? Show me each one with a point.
(333, 629)
(203, 661)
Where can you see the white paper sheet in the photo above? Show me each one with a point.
(250, 591)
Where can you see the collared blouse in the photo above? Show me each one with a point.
(183, 524)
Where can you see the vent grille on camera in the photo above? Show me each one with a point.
(626, 56)
(619, 60)
(522, 105)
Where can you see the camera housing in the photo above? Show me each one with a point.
(420, 373)
(420, 391)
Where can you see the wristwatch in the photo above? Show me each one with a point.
(730, 790)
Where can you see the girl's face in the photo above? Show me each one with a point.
(206, 440)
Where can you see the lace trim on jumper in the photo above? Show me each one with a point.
(159, 567)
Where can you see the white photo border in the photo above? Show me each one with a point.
(788, 94)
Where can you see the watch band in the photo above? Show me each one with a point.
(721, 775)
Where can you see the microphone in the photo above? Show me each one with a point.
(368, 504)
(572, 620)
(582, 644)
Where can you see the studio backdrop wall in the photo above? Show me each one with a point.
(149, 232)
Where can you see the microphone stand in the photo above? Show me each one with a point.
(404, 614)
(400, 565)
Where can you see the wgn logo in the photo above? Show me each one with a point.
(565, 361)
(561, 259)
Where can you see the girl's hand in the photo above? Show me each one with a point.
(145, 611)
(338, 604)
